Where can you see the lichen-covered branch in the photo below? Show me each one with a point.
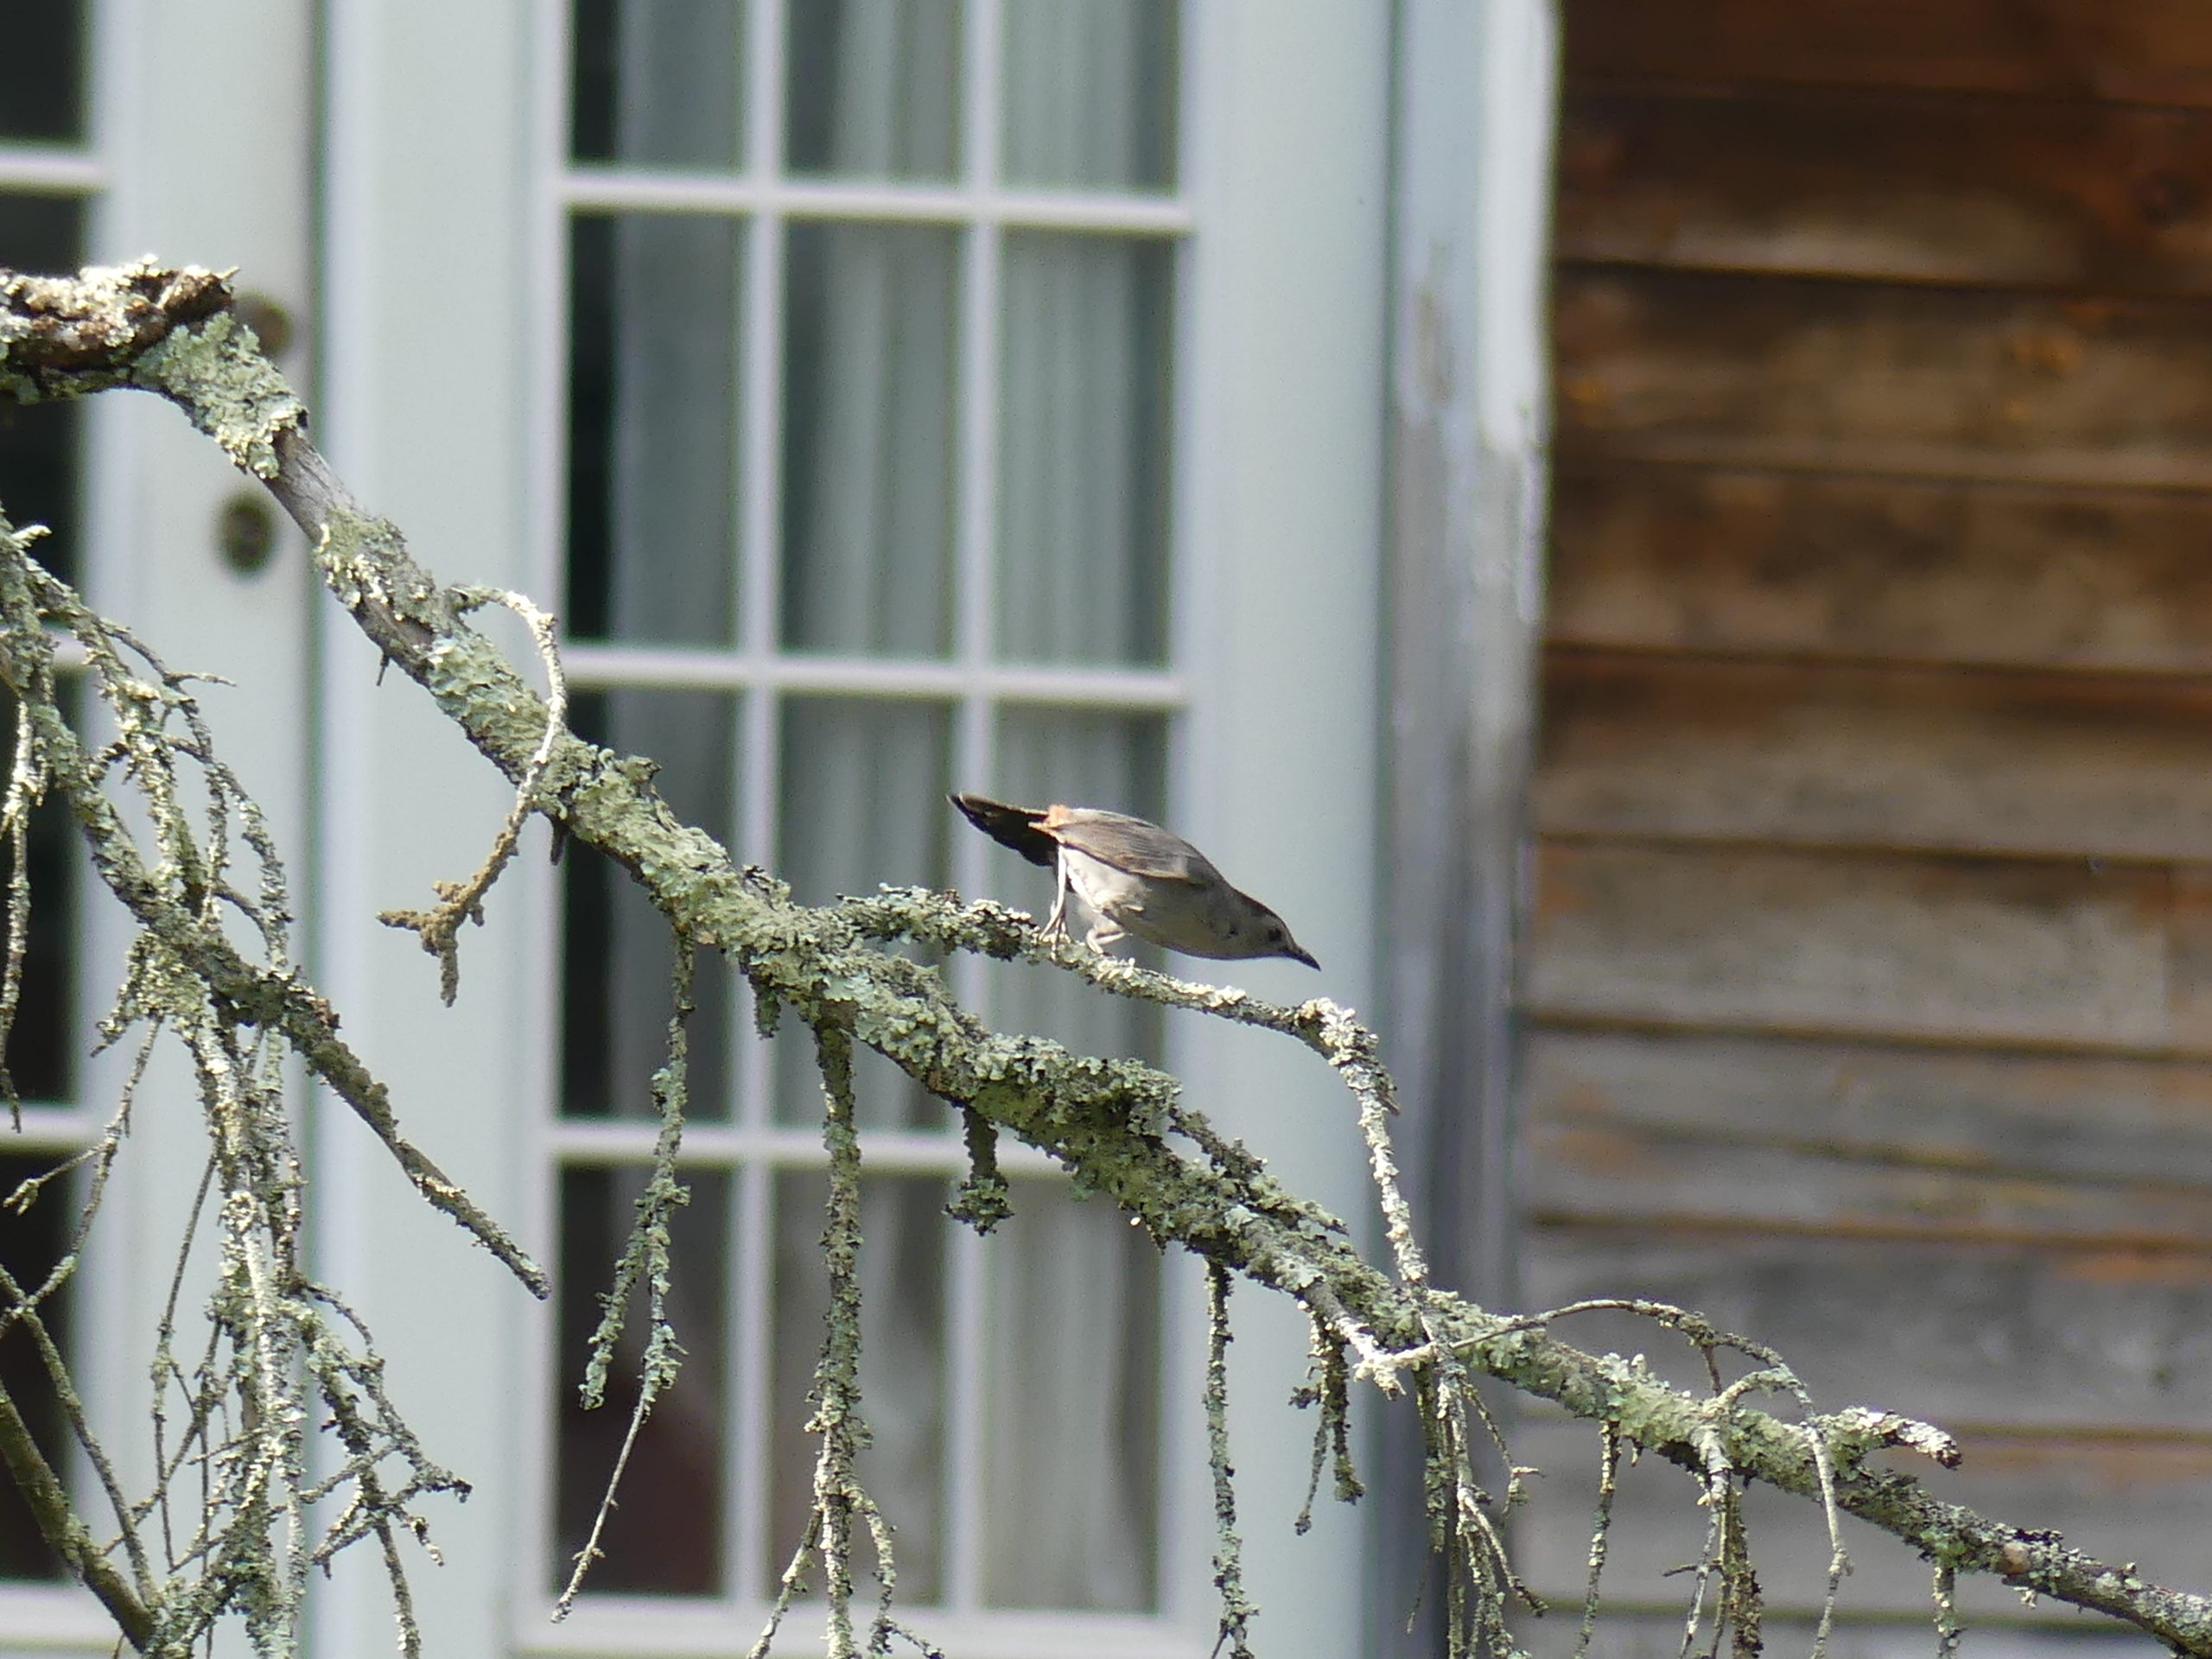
(66, 1535)
(283, 1355)
(1117, 1124)
(270, 995)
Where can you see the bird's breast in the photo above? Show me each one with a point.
(1176, 915)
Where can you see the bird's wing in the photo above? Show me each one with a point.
(1128, 843)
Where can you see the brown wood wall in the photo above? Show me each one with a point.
(1872, 970)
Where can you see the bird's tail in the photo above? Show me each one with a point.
(1013, 827)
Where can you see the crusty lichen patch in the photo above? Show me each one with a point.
(215, 372)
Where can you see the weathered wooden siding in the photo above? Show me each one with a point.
(1873, 969)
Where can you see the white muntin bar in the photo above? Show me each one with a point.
(599, 667)
(50, 169)
(975, 556)
(629, 189)
(724, 1146)
(750, 1325)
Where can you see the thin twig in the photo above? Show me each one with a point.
(647, 1259)
(463, 901)
(1236, 1609)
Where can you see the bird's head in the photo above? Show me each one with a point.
(1260, 932)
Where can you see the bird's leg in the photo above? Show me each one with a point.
(1104, 931)
(1056, 924)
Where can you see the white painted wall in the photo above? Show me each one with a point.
(427, 297)
(1282, 493)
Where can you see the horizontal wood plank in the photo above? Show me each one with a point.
(1643, 744)
(1702, 559)
(1953, 949)
(1581, 1171)
(2018, 1333)
(2147, 51)
(1911, 187)
(2149, 1502)
(1753, 371)
(1922, 1118)
(2116, 1123)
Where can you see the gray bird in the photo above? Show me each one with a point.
(1135, 877)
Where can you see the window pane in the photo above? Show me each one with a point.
(40, 443)
(874, 88)
(658, 81)
(1091, 92)
(1081, 759)
(902, 1365)
(616, 954)
(863, 805)
(1083, 448)
(1070, 1507)
(868, 438)
(30, 1245)
(653, 367)
(665, 1533)
(42, 74)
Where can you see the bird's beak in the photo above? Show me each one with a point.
(1298, 953)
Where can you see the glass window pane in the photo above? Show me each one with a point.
(902, 1366)
(31, 1244)
(868, 438)
(864, 806)
(658, 81)
(615, 945)
(40, 444)
(1083, 448)
(42, 74)
(1070, 1508)
(652, 419)
(874, 88)
(665, 1533)
(1079, 757)
(1090, 93)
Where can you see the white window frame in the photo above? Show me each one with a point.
(1283, 195)
(751, 1148)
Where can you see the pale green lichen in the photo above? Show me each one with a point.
(215, 371)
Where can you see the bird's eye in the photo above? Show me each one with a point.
(1274, 935)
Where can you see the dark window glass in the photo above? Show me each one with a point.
(863, 804)
(874, 88)
(616, 953)
(1070, 1469)
(40, 444)
(868, 379)
(657, 82)
(1089, 93)
(30, 1244)
(665, 1533)
(1086, 444)
(652, 420)
(903, 1311)
(42, 72)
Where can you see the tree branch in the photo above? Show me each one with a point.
(64, 1533)
(170, 332)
